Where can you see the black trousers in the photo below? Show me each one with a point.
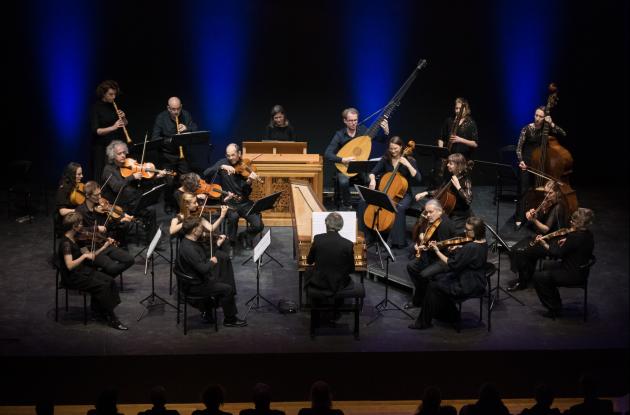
(437, 304)
(421, 271)
(102, 288)
(113, 260)
(548, 280)
(255, 221)
(223, 292)
(343, 182)
(181, 167)
(525, 183)
(524, 257)
(223, 271)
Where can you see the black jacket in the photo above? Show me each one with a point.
(333, 256)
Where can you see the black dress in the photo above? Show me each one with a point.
(103, 115)
(463, 200)
(276, 133)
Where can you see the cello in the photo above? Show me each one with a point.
(551, 161)
(395, 185)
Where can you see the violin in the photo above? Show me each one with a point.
(104, 207)
(559, 232)
(245, 168)
(459, 240)
(423, 238)
(77, 196)
(214, 190)
(89, 236)
(148, 170)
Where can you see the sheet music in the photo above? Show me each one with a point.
(262, 246)
(349, 230)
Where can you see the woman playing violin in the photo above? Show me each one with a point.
(548, 217)
(462, 186)
(80, 272)
(408, 171)
(574, 250)
(113, 260)
(69, 183)
(237, 184)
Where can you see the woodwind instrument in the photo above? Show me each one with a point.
(181, 149)
(124, 128)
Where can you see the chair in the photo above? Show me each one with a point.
(585, 270)
(490, 269)
(183, 281)
(59, 273)
(173, 240)
(356, 292)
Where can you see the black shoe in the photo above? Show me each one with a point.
(115, 323)
(517, 286)
(207, 318)
(410, 305)
(420, 326)
(234, 322)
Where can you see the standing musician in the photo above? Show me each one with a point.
(107, 123)
(174, 120)
(426, 264)
(352, 129)
(459, 180)
(464, 277)
(81, 272)
(550, 216)
(193, 260)
(463, 138)
(574, 251)
(236, 184)
(408, 170)
(69, 188)
(279, 128)
(113, 260)
(531, 138)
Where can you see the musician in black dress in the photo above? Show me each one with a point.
(466, 137)
(464, 277)
(238, 185)
(106, 123)
(531, 138)
(193, 261)
(409, 171)
(427, 264)
(574, 250)
(550, 216)
(81, 274)
(172, 157)
(71, 177)
(460, 183)
(279, 128)
(342, 137)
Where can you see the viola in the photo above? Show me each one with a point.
(104, 207)
(77, 196)
(148, 170)
(214, 190)
(423, 237)
(245, 167)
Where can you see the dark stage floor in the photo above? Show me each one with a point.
(27, 326)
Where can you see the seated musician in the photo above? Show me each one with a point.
(574, 250)
(550, 216)
(460, 182)
(464, 277)
(238, 185)
(113, 260)
(189, 184)
(438, 228)
(82, 274)
(193, 260)
(279, 128)
(530, 139)
(352, 130)
(71, 177)
(408, 170)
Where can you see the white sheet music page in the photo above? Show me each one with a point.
(349, 230)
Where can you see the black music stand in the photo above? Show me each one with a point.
(361, 166)
(380, 200)
(501, 172)
(499, 241)
(259, 206)
(263, 245)
(386, 302)
(436, 153)
(149, 198)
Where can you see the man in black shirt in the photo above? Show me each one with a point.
(193, 261)
(238, 185)
(352, 130)
(172, 121)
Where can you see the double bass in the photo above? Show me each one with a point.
(551, 161)
(395, 185)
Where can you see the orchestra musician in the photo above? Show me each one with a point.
(172, 121)
(351, 130)
(531, 137)
(463, 277)
(193, 260)
(464, 138)
(81, 272)
(421, 269)
(107, 123)
(279, 128)
(113, 260)
(574, 250)
(550, 216)
(459, 180)
(408, 170)
(69, 182)
(189, 184)
(237, 184)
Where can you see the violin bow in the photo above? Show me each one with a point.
(543, 175)
(205, 201)
(144, 147)
(111, 209)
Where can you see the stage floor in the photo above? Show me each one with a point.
(27, 326)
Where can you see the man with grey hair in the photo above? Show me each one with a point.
(342, 137)
(173, 120)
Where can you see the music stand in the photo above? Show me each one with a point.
(380, 200)
(190, 138)
(383, 305)
(259, 250)
(436, 153)
(361, 166)
(148, 198)
(259, 206)
(150, 299)
(499, 241)
(501, 172)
